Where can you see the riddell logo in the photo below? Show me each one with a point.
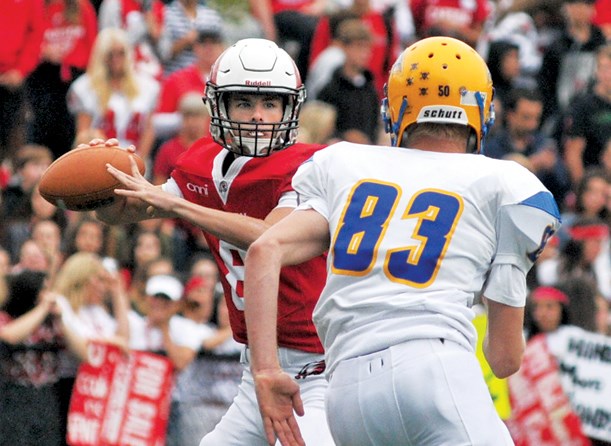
(258, 83)
(441, 114)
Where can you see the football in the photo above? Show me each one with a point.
(78, 179)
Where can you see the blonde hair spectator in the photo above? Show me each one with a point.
(106, 46)
(88, 291)
(317, 122)
(73, 278)
(111, 96)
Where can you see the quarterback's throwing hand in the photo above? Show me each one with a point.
(279, 401)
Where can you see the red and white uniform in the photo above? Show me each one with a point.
(254, 187)
(123, 119)
(73, 41)
(462, 13)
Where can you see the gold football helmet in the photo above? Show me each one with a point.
(441, 80)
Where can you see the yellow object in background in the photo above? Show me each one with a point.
(497, 387)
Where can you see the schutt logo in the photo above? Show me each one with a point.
(258, 83)
(443, 113)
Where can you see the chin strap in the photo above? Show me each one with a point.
(486, 125)
(392, 127)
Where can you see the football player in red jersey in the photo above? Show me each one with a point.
(234, 185)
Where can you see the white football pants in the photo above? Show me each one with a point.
(422, 392)
(242, 424)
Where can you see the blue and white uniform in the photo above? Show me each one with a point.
(415, 237)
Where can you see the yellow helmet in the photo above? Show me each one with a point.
(442, 80)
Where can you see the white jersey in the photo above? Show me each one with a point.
(414, 235)
(183, 332)
(90, 321)
(123, 118)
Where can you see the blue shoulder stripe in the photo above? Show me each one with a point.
(544, 201)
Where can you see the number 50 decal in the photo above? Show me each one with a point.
(365, 221)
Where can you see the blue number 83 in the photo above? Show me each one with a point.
(364, 222)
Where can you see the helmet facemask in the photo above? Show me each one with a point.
(249, 138)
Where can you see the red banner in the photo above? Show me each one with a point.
(541, 414)
(120, 399)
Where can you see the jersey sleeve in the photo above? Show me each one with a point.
(310, 185)
(526, 217)
(523, 229)
(171, 187)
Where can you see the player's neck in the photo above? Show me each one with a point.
(434, 144)
(230, 158)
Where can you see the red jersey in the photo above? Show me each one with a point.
(166, 157)
(603, 13)
(75, 40)
(21, 28)
(183, 81)
(253, 187)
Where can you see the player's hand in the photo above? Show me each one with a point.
(279, 400)
(135, 185)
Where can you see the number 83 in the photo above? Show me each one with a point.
(364, 223)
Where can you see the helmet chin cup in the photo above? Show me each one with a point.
(253, 139)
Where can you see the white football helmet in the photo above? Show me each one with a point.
(254, 66)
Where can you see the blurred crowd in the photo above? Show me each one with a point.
(135, 70)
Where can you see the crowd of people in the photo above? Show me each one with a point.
(135, 71)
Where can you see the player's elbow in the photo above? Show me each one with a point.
(111, 215)
(505, 369)
(264, 249)
(505, 364)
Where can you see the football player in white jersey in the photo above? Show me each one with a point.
(415, 233)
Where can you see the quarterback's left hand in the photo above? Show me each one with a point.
(279, 401)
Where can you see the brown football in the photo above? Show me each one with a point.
(78, 179)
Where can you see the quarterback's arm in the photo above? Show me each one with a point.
(143, 200)
(297, 238)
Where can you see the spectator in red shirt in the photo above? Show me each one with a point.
(385, 41)
(21, 29)
(603, 17)
(166, 120)
(454, 18)
(70, 30)
(195, 122)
